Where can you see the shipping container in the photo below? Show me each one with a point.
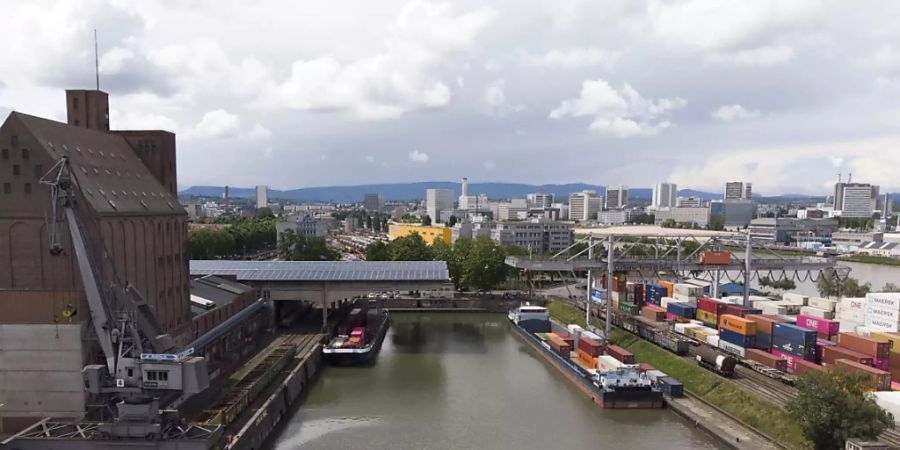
(803, 351)
(670, 387)
(589, 360)
(794, 299)
(767, 359)
(710, 305)
(764, 322)
(713, 341)
(558, 344)
(890, 300)
(816, 312)
(668, 286)
(732, 348)
(793, 333)
(881, 380)
(742, 340)
(882, 363)
(620, 353)
(802, 366)
(689, 290)
(822, 303)
(653, 313)
(644, 367)
(655, 374)
(629, 308)
(681, 309)
(820, 346)
(715, 258)
(681, 327)
(764, 341)
(833, 353)
(737, 325)
(790, 360)
(592, 347)
(865, 345)
(823, 326)
(607, 363)
(708, 318)
(893, 338)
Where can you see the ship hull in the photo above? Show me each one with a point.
(358, 356)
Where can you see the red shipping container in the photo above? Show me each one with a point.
(590, 346)
(802, 366)
(764, 322)
(767, 358)
(866, 345)
(791, 359)
(880, 378)
(709, 305)
(643, 367)
(558, 344)
(624, 356)
(735, 310)
(832, 353)
(653, 313)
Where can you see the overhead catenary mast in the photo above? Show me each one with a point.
(96, 60)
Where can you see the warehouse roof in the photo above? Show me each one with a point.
(324, 270)
(112, 178)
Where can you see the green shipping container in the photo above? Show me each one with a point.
(629, 308)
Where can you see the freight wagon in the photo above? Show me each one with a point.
(710, 359)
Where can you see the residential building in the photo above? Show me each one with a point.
(373, 202)
(540, 200)
(429, 233)
(738, 190)
(791, 231)
(683, 215)
(262, 197)
(437, 200)
(516, 209)
(563, 210)
(584, 205)
(616, 197)
(538, 236)
(470, 230)
(855, 199)
(195, 210)
(474, 202)
(689, 202)
(351, 224)
(664, 195)
(307, 226)
(614, 217)
(811, 213)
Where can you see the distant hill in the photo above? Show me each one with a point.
(413, 191)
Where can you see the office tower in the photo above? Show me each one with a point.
(437, 200)
(664, 195)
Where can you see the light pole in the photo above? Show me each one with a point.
(609, 280)
(587, 306)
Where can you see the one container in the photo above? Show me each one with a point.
(607, 363)
(789, 358)
(764, 341)
(620, 354)
(767, 359)
(681, 327)
(709, 305)
(816, 312)
(764, 322)
(831, 354)
(893, 338)
(820, 346)
(822, 303)
(653, 313)
(788, 346)
(655, 374)
(558, 344)
(668, 286)
(671, 387)
(822, 326)
(737, 325)
(794, 299)
(712, 341)
(592, 347)
(707, 317)
(866, 345)
(880, 379)
(793, 333)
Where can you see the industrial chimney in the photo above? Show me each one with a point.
(465, 186)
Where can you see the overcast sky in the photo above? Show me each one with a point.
(781, 93)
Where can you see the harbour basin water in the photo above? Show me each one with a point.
(466, 381)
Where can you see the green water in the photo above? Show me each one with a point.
(466, 381)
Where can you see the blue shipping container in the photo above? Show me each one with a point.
(764, 341)
(793, 333)
(671, 386)
(794, 348)
(753, 311)
(681, 309)
(737, 338)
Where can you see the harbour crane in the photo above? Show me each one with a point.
(141, 362)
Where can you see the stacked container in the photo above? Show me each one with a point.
(740, 333)
(764, 325)
(668, 286)
(653, 294)
(822, 303)
(851, 313)
(792, 342)
(825, 328)
(816, 312)
(883, 311)
(878, 349)
(654, 313)
(880, 378)
(831, 354)
(677, 310)
(589, 348)
(767, 359)
(791, 298)
(708, 311)
(894, 356)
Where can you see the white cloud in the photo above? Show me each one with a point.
(725, 24)
(622, 114)
(418, 157)
(765, 56)
(216, 124)
(573, 58)
(388, 84)
(259, 132)
(728, 113)
(114, 59)
(884, 58)
(495, 99)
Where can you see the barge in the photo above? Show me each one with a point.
(359, 337)
(610, 385)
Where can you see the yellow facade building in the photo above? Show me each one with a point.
(428, 233)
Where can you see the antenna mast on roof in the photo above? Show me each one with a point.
(96, 60)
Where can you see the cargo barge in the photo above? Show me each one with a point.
(624, 387)
(359, 337)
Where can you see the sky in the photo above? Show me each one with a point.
(782, 93)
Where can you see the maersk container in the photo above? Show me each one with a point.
(671, 387)
(681, 309)
(746, 341)
(793, 333)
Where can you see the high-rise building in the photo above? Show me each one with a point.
(539, 200)
(262, 196)
(584, 205)
(738, 190)
(855, 199)
(688, 202)
(474, 202)
(437, 200)
(374, 202)
(616, 197)
(664, 195)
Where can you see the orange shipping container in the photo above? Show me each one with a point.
(669, 287)
(737, 324)
(587, 358)
(764, 322)
(880, 379)
(715, 258)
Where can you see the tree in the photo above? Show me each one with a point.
(441, 251)
(668, 223)
(298, 247)
(456, 263)
(426, 220)
(783, 284)
(378, 251)
(890, 287)
(451, 221)
(828, 285)
(264, 213)
(834, 406)
(410, 248)
(716, 222)
(485, 267)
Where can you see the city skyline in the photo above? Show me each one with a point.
(426, 90)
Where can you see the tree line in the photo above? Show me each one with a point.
(243, 234)
(293, 246)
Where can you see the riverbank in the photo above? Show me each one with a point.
(870, 259)
(715, 390)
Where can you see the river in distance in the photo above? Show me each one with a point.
(466, 381)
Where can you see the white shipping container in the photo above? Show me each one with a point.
(574, 328)
(664, 302)
(590, 335)
(794, 299)
(822, 303)
(849, 326)
(850, 316)
(884, 300)
(697, 322)
(816, 312)
(685, 299)
(879, 324)
(607, 363)
(688, 290)
(681, 327)
(754, 298)
(853, 303)
(773, 308)
(712, 340)
(758, 304)
(883, 313)
(654, 375)
(791, 309)
(731, 348)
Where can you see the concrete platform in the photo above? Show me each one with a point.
(729, 431)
